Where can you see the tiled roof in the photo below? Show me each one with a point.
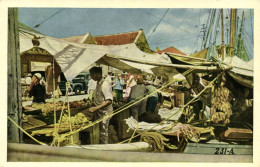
(117, 39)
(76, 39)
(171, 50)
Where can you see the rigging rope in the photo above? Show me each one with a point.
(169, 23)
(38, 25)
(158, 24)
(37, 141)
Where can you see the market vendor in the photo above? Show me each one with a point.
(103, 101)
(37, 89)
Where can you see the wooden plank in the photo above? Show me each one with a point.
(32, 123)
(234, 134)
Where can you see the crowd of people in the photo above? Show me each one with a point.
(102, 91)
(133, 88)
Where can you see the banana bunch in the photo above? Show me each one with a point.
(220, 104)
(78, 119)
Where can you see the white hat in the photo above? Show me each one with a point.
(38, 75)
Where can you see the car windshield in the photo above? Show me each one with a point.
(79, 77)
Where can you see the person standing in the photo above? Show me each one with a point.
(118, 88)
(130, 83)
(153, 99)
(37, 89)
(137, 92)
(103, 102)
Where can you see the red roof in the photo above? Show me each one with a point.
(117, 39)
(76, 39)
(171, 50)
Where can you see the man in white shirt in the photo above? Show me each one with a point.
(103, 101)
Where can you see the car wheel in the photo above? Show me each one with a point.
(77, 90)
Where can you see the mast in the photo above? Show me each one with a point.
(222, 32)
(232, 32)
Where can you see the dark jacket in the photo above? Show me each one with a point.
(38, 92)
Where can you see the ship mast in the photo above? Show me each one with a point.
(222, 32)
(232, 33)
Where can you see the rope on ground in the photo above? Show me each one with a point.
(156, 141)
(25, 131)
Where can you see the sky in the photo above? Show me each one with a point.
(177, 27)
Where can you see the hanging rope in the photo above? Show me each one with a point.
(56, 137)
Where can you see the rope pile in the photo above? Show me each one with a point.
(156, 141)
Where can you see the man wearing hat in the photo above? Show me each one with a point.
(37, 89)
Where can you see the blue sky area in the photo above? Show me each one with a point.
(179, 27)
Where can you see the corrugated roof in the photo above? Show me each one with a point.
(171, 49)
(117, 39)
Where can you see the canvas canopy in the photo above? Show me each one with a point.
(241, 71)
(74, 58)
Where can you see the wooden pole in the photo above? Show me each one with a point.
(14, 77)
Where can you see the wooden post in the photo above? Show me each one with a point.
(14, 76)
